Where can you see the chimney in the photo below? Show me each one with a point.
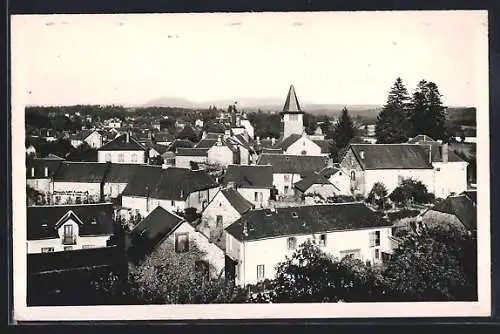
(238, 121)
(258, 140)
(46, 171)
(127, 137)
(273, 141)
(444, 152)
(219, 140)
(32, 171)
(204, 135)
(430, 154)
(362, 155)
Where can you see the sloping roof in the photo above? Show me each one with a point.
(461, 207)
(242, 141)
(272, 150)
(329, 171)
(249, 176)
(265, 143)
(206, 143)
(437, 153)
(325, 144)
(472, 194)
(52, 156)
(177, 143)
(391, 156)
(82, 135)
(192, 152)
(310, 179)
(170, 183)
(81, 172)
(120, 144)
(237, 201)
(39, 165)
(42, 220)
(120, 173)
(213, 135)
(421, 139)
(293, 164)
(287, 142)
(292, 103)
(287, 221)
(160, 148)
(157, 225)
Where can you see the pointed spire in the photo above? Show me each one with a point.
(292, 103)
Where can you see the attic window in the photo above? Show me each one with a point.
(44, 225)
(93, 222)
(287, 159)
(295, 215)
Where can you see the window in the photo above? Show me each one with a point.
(68, 230)
(377, 253)
(400, 179)
(293, 117)
(286, 189)
(172, 203)
(292, 243)
(219, 223)
(375, 239)
(353, 175)
(87, 246)
(181, 242)
(355, 253)
(286, 178)
(304, 152)
(108, 157)
(260, 272)
(322, 240)
(68, 248)
(121, 157)
(134, 157)
(258, 196)
(47, 249)
(202, 269)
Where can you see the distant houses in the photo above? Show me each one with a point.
(124, 149)
(92, 137)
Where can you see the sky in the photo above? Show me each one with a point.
(330, 58)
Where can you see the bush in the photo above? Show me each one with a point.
(404, 213)
(378, 195)
(411, 190)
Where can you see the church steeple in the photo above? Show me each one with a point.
(292, 105)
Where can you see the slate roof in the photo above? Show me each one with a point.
(242, 141)
(42, 220)
(399, 156)
(120, 144)
(120, 173)
(160, 148)
(471, 194)
(287, 142)
(192, 152)
(249, 176)
(206, 143)
(39, 165)
(292, 103)
(170, 183)
(91, 172)
(237, 201)
(82, 135)
(177, 143)
(272, 150)
(311, 179)
(324, 144)
(264, 223)
(329, 171)
(461, 207)
(264, 143)
(421, 139)
(293, 164)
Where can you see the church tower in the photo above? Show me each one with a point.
(292, 115)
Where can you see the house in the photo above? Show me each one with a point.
(288, 169)
(199, 123)
(314, 184)
(227, 206)
(56, 228)
(79, 182)
(39, 173)
(115, 123)
(224, 152)
(184, 157)
(457, 211)
(435, 165)
(262, 238)
(163, 138)
(339, 178)
(299, 144)
(116, 179)
(124, 149)
(163, 229)
(253, 182)
(92, 137)
(422, 139)
(31, 150)
(172, 188)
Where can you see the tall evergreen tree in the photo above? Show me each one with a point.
(392, 123)
(344, 131)
(427, 115)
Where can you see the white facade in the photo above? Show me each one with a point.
(94, 140)
(57, 245)
(76, 191)
(293, 124)
(324, 190)
(122, 157)
(391, 178)
(342, 181)
(218, 209)
(115, 124)
(248, 127)
(284, 182)
(244, 156)
(304, 146)
(42, 185)
(220, 154)
(450, 177)
(183, 161)
(257, 196)
(198, 123)
(270, 252)
(113, 189)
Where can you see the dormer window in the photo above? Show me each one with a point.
(295, 215)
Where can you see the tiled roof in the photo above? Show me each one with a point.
(167, 183)
(146, 235)
(120, 144)
(249, 176)
(39, 165)
(292, 103)
(287, 221)
(293, 164)
(461, 207)
(192, 152)
(237, 201)
(120, 173)
(81, 172)
(310, 179)
(325, 144)
(42, 220)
